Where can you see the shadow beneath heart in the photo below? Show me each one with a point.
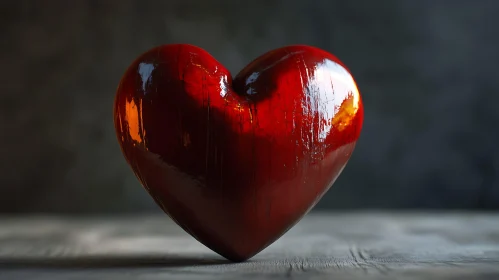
(109, 262)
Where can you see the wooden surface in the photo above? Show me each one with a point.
(321, 246)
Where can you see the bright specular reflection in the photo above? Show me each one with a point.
(145, 72)
(223, 86)
(334, 95)
(133, 118)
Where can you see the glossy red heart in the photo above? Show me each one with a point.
(237, 162)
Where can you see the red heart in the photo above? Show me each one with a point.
(236, 163)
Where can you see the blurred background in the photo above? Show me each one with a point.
(427, 70)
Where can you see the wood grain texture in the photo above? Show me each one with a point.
(321, 246)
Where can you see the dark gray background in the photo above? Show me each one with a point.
(427, 70)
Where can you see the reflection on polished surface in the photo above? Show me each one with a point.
(237, 162)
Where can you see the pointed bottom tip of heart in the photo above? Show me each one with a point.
(237, 257)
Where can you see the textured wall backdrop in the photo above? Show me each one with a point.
(427, 70)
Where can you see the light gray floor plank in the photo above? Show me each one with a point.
(321, 246)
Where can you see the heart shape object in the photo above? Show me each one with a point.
(237, 162)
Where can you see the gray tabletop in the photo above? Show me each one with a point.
(322, 246)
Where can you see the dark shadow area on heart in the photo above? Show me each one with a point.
(109, 262)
